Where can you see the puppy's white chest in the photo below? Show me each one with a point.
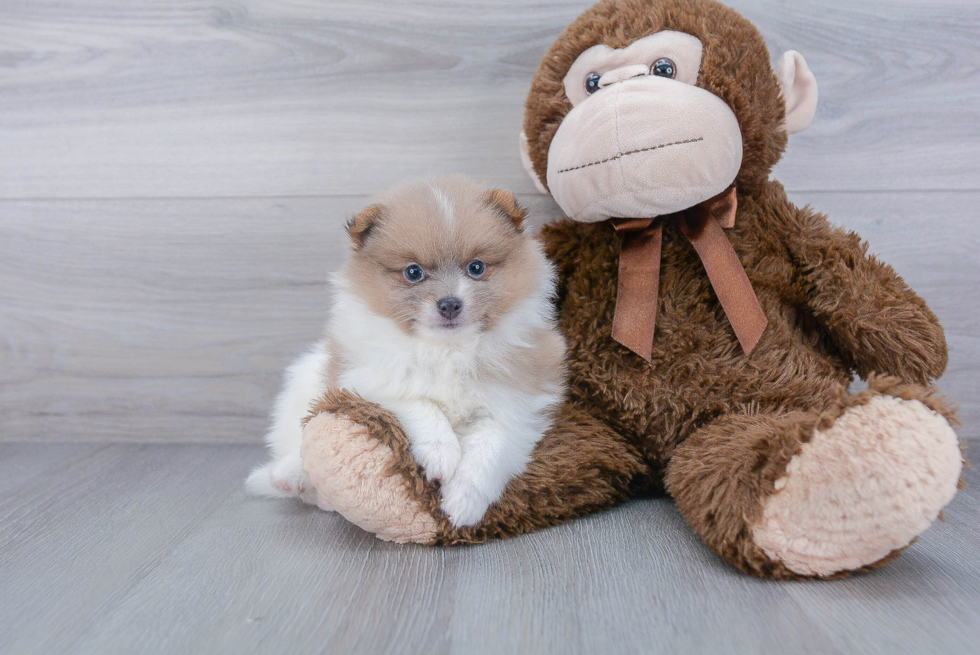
(462, 416)
(455, 390)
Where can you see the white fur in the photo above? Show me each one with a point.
(283, 476)
(448, 211)
(466, 427)
(467, 430)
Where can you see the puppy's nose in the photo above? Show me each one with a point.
(450, 307)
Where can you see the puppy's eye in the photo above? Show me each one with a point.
(664, 68)
(476, 268)
(592, 83)
(414, 273)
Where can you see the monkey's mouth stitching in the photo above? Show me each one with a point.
(620, 155)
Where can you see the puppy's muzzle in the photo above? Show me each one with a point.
(449, 307)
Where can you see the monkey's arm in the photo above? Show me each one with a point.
(873, 317)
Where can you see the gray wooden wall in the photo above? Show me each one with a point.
(174, 176)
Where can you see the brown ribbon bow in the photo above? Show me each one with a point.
(639, 274)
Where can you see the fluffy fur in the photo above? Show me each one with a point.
(716, 429)
(283, 476)
(474, 392)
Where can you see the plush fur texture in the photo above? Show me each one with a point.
(580, 467)
(283, 476)
(734, 66)
(354, 458)
(717, 429)
(834, 487)
(723, 476)
(476, 386)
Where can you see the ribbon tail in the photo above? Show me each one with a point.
(636, 297)
(728, 278)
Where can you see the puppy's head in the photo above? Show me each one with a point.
(444, 258)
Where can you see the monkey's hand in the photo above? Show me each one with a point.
(873, 317)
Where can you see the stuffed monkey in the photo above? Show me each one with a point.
(713, 327)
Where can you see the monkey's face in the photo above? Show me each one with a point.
(648, 107)
(641, 140)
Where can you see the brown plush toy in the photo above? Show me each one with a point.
(713, 327)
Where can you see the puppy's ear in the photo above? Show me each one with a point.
(359, 227)
(503, 201)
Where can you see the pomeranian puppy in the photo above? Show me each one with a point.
(443, 314)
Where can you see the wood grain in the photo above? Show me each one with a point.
(154, 549)
(83, 531)
(159, 320)
(104, 99)
(172, 320)
(173, 178)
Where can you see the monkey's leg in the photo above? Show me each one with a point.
(808, 494)
(358, 458)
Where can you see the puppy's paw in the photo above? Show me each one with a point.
(463, 503)
(286, 479)
(288, 476)
(439, 459)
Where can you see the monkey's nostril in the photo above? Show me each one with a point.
(449, 307)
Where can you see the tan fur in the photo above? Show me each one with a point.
(360, 226)
(580, 467)
(834, 487)
(507, 204)
(386, 510)
(734, 66)
(337, 363)
(715, 427)
(408, 226)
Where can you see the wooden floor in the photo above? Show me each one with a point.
(127, 548)
(173, 181)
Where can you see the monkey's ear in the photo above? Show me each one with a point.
(504, 202)
(363, 223)
(528, 166)
(799, 88)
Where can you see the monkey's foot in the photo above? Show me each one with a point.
(862, 488)
(361, 477)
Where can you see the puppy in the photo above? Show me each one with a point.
(443, 314)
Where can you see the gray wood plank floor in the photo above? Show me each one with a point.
(173, 180)
(127, 548)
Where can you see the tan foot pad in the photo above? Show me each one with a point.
(861, 489)
(349, 469)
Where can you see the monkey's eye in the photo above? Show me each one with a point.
(592, 83)
(414, 273)
(475, 269)
(664, 68)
